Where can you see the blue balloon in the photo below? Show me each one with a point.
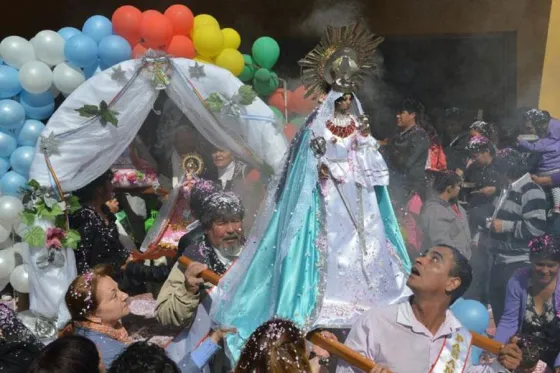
(472, 314)
(38, 112)
(89, 71)
(97, 27)
(103, 66)
(30, 132)
(12, 114)
(4, 165)
(9, 82)
(12, 183)
(7, 144)
(114, 49)
(1, 61)
(68, 32)
(80, 50)
(21, 159)
(36, 100)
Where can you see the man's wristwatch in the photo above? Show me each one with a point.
(323, 361)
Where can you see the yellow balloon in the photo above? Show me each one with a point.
(205, 20)
(200, 58)
(232, 39)
(208, 41)
(230, 59)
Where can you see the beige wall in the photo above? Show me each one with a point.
(529, 18)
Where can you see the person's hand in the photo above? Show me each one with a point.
(193, 281)
(542, 180)
(322, 353)
(459, 172)
(488, 191)
(379, 369)
(510, 355)
(113, 205)
(469, 163)
(219, 334)
(323, 172)
(497, 225)
(128, 260)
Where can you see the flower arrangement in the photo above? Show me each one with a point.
(42, 203)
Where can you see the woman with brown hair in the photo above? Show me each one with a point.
(279, 346)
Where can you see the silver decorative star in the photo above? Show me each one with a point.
(49, 145)
(197, 71)
(119, 75)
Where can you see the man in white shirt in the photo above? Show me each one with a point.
(422, 335)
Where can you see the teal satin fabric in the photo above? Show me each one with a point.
(288, 289)
(391, 225)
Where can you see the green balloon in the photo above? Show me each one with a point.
(266, 52)
(278, 114)
(298, 121)
(248, 72)
(262, 75)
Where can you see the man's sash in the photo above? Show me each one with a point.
(454, 354)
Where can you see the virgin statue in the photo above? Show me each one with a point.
(327, 246)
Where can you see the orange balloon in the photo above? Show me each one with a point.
(299, 104)
(181, 17)
(290, 131)
(126, 23)
(181, 46)
(138, 51)
(156, 30)
(276, 99)
(253, 176)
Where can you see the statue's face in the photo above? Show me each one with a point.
(344, 104)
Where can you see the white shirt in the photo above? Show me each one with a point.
(226, 174)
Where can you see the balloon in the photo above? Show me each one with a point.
(138, 51)
(97, 27)
(300, 104)
(12, 114)
(181, 46)
(262, 75)
(278, 114)
(126, 23)
(208, 41)
(20, 160)
(7, 144)
(55, 92)
(81, 50)
(232, 60)
(114, 49)
(276, 99)
(67, 78)
(264, 88)
(21, 249)
(40, 99)
(89, 71)
(19, 278)
(30, 133)
(181, 17)
(49, 47)
(9, 82)
(472, 314)
(298, 121)
(232, 39)
(202, 20)
(156, 30)
(16, 51)
(4, 165)
(249, 69)
(7, 262)
(68, 32)
(12, 183)
(203, 59)
(10, 208)
(35, 77)
(40, 112)
(290, 131)
(266, 51)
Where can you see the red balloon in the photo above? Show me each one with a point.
(138, 51)
(253, 176)
(290, 131)
(181, 46)
(156, 30)
(181, 17)
(126, 23)
(276, 99)
(301, 105)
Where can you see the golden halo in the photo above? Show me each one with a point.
(193, 164)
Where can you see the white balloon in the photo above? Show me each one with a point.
(20, 278)
(10, 208)
(21, 249)
(35, 77)
(5, 231)
(16, 51)
(67, 78)
(6, 244)
(7, 262)
(49, 47)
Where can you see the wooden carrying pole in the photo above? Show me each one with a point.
(336, 348)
